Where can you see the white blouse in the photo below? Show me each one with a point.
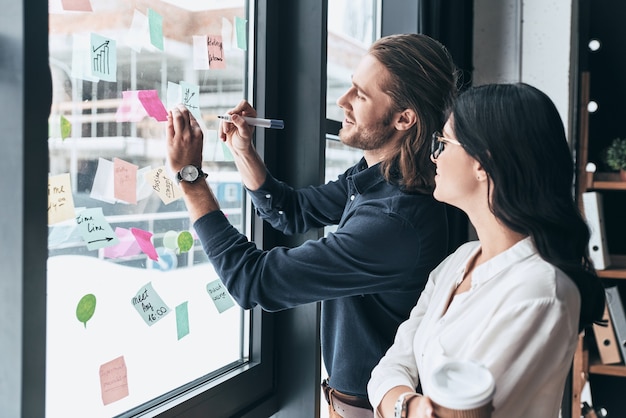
(519, 319)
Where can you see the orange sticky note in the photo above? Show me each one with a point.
(125, 181)
(113, 380)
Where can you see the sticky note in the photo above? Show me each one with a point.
(130, 109)
(127, 245)
(155, 25)
(149, 305)
(200, 53)
(60, 200)
(95, 229)
(138, 35)
(76, 5)
(220, 296)
(144, 239)
(182, 320)
(103, 58)
(113, 380)
(81, 57)
(164, 187)
(66, 127)
(217, 60)
(152, 104)
(125, 181)
(241, 33)
(102, 187)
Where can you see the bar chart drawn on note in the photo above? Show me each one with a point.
(103, 58)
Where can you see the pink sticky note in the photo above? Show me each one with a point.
(113, 380)
(127, 245)
(216, 52)
(131, 109)
(145, 243)
(125, 181)
(77, 5)
(153, 105)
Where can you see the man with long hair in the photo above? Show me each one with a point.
(390, 231)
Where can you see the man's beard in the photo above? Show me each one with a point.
(376, 137)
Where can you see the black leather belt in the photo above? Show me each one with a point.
(330, 394)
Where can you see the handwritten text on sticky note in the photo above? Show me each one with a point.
(149, 305)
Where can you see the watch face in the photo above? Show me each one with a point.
(189, 173)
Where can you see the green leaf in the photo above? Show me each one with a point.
(86, 308)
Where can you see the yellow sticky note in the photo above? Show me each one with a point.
(60, 200)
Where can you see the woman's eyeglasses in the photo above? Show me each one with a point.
(438, 144)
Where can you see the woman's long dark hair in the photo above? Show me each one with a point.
(422, 77)
(517, 135)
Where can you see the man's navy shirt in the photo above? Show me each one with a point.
(368, 273)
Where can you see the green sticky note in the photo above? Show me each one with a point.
(220, 296)
(155, 23)
(66, 127)
(182, 320)
(149, 305)
(240, 30)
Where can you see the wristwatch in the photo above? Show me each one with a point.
(190, 173)
(400, 407)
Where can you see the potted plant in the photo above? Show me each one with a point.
(615, 156)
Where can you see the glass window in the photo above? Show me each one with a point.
(353, 25)
(135, 311)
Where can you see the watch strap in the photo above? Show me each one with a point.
(400, 407)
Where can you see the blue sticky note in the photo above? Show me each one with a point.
(95, 229)
(240, 31)
(103, 58)
(155, 24)
(149, 305)
(220, 296)
(182, 320)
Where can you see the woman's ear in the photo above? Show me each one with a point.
(479, 172)
(405, 119)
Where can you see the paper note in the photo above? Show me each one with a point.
(220, 296)
(165, 188)
(126, 247)
(217, 60)
(241, 33)
(102, 187)
(131, 109)
(95, 230)
(149, 305)
(81, 57)
(152, 104)
(103, 58)
(66, 127)
(138, 35)
(144, 239)
(155, 24)
(113, 380)
(200, 53)
(182, 320)
(77, 5)
(60, 200)
(125, 181)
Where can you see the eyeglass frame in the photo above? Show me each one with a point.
(438, 144)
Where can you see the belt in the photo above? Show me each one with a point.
(334, 395)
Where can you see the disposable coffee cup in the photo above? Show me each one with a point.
(462, 389)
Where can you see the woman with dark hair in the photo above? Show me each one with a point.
(515, 300)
